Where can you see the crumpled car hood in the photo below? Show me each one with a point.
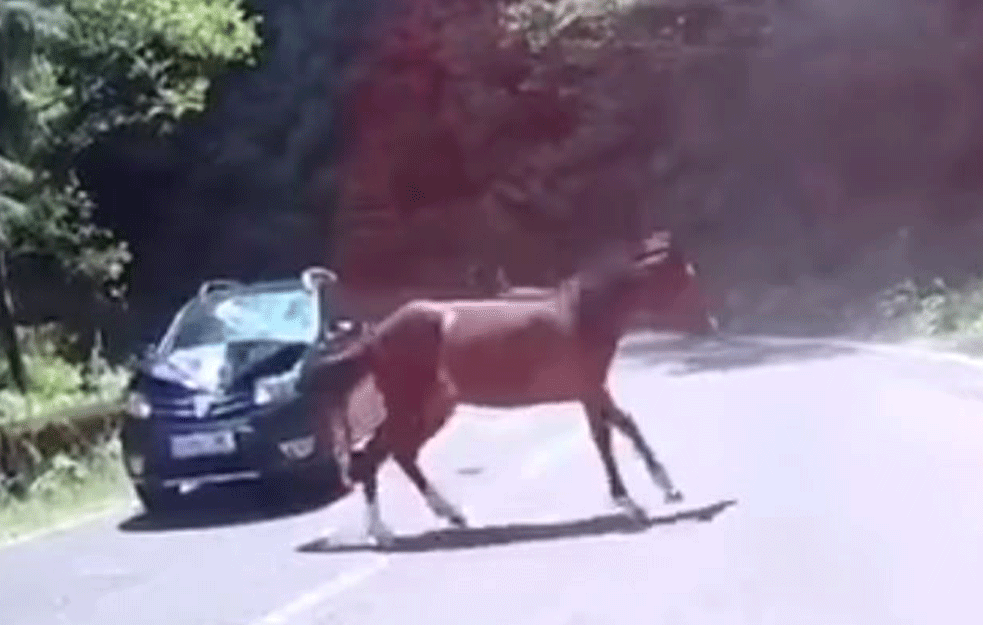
(210, 368)
(198, 368)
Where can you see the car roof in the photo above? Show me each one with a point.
(336, 302)
(289, 284)
(259, 286)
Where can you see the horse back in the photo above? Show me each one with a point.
(511, 353)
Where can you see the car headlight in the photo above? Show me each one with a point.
(137, 405)
(276, 387)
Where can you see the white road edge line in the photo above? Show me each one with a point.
(334, 586)
(67, 525)
(926, 353)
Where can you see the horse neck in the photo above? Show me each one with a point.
(603, 311)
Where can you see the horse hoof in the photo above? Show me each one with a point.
(383, 540)
(674, 496)
(631, 509)
(382, 536)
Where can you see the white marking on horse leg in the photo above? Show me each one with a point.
(376, 528)
(630, 508)
(661, 477)
(447, 320)
(443, 508)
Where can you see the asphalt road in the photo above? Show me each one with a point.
(857, 480)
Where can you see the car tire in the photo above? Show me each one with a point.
(158, 500)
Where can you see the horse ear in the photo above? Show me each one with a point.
(653, 243)
(652, 259)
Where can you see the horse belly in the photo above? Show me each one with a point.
(504, 382)
(513, 355)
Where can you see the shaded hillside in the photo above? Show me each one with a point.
(809, 153)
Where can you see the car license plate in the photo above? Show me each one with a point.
(203, 444)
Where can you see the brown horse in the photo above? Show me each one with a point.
(428, 357)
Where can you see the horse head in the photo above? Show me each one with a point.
(668, 285)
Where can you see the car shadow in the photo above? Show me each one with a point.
(694, 355)
(232, 505)
(491, 536)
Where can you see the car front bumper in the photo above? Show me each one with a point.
(276, 439)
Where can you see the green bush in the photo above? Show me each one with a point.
(934, 309)
(56, 384)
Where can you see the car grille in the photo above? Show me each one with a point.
(183, 406)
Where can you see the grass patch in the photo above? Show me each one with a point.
(57, 385)
(67, 488)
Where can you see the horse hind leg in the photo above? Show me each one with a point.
(600, 428)
(624, 423)
(437, 410)
(365, 469)
(441, 507)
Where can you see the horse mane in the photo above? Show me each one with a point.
(610, 274)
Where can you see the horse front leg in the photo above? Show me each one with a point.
(600, 429)
(624, 423)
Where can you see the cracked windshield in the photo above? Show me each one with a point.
(277, 316)
(511, 312)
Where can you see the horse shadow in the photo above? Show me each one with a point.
(694, 355)
(502, 535)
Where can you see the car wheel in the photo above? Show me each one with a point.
(158, 500)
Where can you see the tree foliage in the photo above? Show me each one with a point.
(121, 63)
(514, 122)
(72, 71)
(147, 63)
(21, 23)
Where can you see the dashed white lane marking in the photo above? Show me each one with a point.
(333, 587)
(553, 452)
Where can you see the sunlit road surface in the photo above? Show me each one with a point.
(858, 482)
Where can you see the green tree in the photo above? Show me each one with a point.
(104, 65)
(23, 25)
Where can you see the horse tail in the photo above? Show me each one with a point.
(332, 380)
(338, 374)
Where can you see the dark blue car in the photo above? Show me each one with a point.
(216, 399)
